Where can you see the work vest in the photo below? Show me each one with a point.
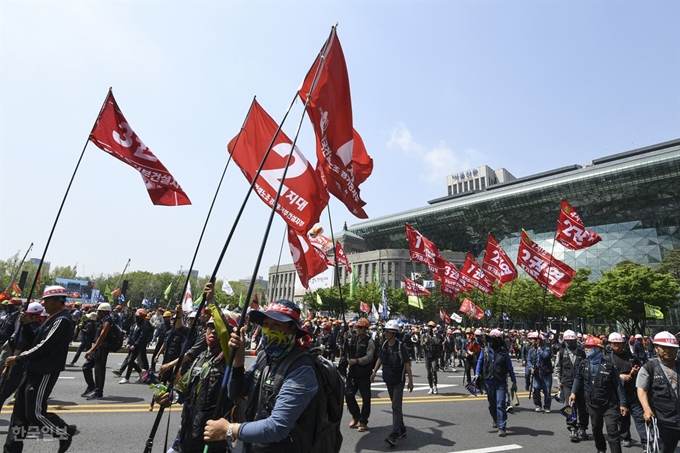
(393, 362)
(599, 389)
(358, 349)
(494, 367)
(665, 401)
(568, 369)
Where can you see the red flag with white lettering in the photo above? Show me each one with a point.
(363, 306)
(342, 158)
(469, 308)
(303, 196)
(473, 274)
(498, 263)
(421, 248)
(447, 274)
(415, 289)
(341, 257)
(570, 230)
(308, 260)
(113, 134)
(549, 272)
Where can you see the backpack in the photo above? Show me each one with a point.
(115, 337)
(326, 437)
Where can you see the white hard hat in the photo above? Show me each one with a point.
(579, 335)
(34, 308)
(478, 332)
(104, 306)
(532, 334)
(615, 337)
(666, 339)
(54, 291)
(191, 315)
(637, 335)
(569, 335)
(392, 326)
(496, 333)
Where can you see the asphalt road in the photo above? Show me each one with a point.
(453, 421)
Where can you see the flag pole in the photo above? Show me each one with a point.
(512, 284)
(121, 275)
(545, 290)
(335, 259)
(244, 310)
(16, 272)
(278, 262)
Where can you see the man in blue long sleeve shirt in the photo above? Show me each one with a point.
(541, 369)
(494, 364)
(275, 419)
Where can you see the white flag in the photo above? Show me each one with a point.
(374, 312)
(226, 287)
(456, 317)
(188, 303)
(428, 283)
(415, 275)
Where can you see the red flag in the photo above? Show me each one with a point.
(38, 281)
(448, 275)
(421, 248)
(307, 258)
(448, 291)
(303, 196)
(498, 263)
(255, 303)
(113, 134)
(444, 317)
(364, 307)
(115, 292)
(469, 308)
(549, 272)
(473, 274)
(4, 296)
(342, 157)
(16, 289)
(414, 289)
(341, 257)
(570, 230)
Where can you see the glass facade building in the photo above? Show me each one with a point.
(631, 199)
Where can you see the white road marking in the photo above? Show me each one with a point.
(66, 377)
(492, 449)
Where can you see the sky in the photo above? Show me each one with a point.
(438, 87)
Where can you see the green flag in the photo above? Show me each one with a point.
(414, 301)
(318, 300)
(240, 299)
(653, 312)
(353, 283)
(221, 328)
(166, 294)
(107, 292)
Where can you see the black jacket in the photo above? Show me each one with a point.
(50, 345)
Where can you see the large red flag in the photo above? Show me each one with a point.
(444, 317)
(473, 274)
(113, 134)
(549, 272)
(307, 259)
(570, 230)
(448, 275)
(341, 257)
(415, 289)
(421, 248)
(342, 158)
(469, 308)
(303, 196)
(498, 263)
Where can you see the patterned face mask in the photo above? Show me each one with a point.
(277, 344)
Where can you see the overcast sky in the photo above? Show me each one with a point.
(437, 87)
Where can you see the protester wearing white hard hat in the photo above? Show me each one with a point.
(628, 367)
(659, 390)
(540, 360)
(44, 360)
(97, 355)
(639, 349)
(566, 365)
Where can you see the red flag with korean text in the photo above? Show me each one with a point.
(570, 230)
(444, 317)
(447, 274)
(469, 308)
(303, 196)
(342, 158)
(341, 257)
(415, 289)
(113, 134)
(549, 272)
(308, 260)
(498, 263)
(473, 274)
(422, 249)
(363, 306)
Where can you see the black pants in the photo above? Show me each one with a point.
(12, 382)
(431, 367)
(668, 438)
(611, 418)
(580, 408)
(84, 346)
(132, 357)
(635, 412)
(96, 362)
(363, 385)
(29, 416)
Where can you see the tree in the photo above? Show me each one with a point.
(622, 292)
(671, 264)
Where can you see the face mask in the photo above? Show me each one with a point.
(594, 353)
(571, 344)
(277, 344)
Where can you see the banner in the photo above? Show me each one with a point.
(469, 308)
(303, 196)
(473, 274)
(422, 249)
(444, 317)
(307, 259)
(549, 272)
(414, 289)
(342, 158)
(341, 257)
(456, 317)
(448, 275)
(415, 301)
(570, 230)
(113, 134)
(653, 312)
(498, 263)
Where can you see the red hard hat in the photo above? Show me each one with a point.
(592, 341)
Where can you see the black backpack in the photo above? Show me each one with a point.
(326, 437)
(115, 337)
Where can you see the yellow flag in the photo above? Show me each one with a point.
(221, 328)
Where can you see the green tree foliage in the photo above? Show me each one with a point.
(671, 264)
(621, 293)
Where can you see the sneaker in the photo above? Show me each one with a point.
(87, 392)
(124, 381)
(547, 411)
(509, 409)
(494, 425)
(573, 436)
(538, 409)
(626, 443)
(391, 440)
(362, 427)
(116, 373)
(430, 392)
(435, 391)
(582, 434)
(94, 396)
(453, 369)
(64, 444)
(402, 433)
(354, 423)
(501, 433)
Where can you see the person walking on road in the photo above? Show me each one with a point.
(395, 362)
(494, 364)
(432, 349)
(97, 355)
(360, 353)
(540, 359)
(568, 360)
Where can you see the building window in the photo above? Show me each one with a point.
(483, 182)
(477, 184)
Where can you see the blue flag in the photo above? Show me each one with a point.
(385, 308)
(487, 313)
